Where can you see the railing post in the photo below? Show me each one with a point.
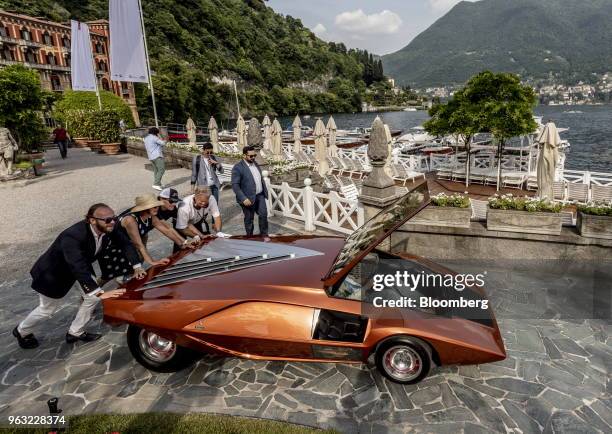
(266, 178)
(308, 197)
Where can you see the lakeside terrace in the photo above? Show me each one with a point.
(555, 378)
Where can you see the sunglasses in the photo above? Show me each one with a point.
(251, 156)
(207, 152)
(107, 220)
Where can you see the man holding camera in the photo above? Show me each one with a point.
(204, 168)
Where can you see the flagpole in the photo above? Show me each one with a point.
(144, 37)
(237, 103)
(95, 77)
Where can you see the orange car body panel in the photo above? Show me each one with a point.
(268, 312)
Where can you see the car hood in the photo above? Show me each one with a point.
(275, 261)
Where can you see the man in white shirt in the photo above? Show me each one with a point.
(154, 146)
(191, 215)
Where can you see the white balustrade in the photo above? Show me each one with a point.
(326, 210)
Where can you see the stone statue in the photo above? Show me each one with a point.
(254, 137)
(8, 148)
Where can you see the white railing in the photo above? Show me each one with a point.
(326, 210)
(587, 177)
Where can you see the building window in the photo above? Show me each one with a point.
(4, 31)
(102, 66)
(105, 84)
(56, 83)
(125, 90)
(47, 39)
(25, 34)
(66, 41)
(7, 54)
(67, 59)
(99, 48)
(31, 57)
(51, 59)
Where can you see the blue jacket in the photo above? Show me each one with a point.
(243, 183)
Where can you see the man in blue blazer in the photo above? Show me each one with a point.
(251, 192)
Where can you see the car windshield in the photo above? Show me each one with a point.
(375, 230)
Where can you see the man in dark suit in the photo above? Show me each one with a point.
(251, 192)
(69, 260)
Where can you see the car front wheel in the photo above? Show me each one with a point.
(404, 360)
(157, 353)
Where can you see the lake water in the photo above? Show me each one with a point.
(590, 130)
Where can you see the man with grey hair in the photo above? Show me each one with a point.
(8, 147)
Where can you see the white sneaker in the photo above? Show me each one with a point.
(157, 187)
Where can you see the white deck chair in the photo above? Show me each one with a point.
(577, 192)
(558, 190)
(532, 183)
(444, 173)
(350, 192)
(513, 180)
(601, 193)
(479, 209)
(567, 218)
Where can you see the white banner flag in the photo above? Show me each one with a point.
(81, 58)
(127, 52)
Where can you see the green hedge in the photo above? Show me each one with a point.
(95, 124)
(78, 101)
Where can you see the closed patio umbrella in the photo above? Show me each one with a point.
(213, 132)
(277, 138)
(547, 160)
(267, 143)
(297, 135)
(191, 131)
(332, 131)
(320, 147)
(241, 130)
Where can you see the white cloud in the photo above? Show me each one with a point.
(319, 29)
(444, 5)
(358, 22)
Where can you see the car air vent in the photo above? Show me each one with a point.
(207, 267)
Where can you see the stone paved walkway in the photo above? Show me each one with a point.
(556, 378)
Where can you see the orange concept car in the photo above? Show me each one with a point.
(307, 298)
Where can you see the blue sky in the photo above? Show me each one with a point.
(381, 26)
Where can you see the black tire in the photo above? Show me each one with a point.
(172, 360)
(390, 352)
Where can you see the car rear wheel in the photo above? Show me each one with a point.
(157, 353)
(404, 360)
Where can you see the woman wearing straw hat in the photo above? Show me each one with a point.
(138, 221)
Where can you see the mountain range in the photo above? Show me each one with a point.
(566, 39)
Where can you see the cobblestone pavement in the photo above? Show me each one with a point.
(556, 378)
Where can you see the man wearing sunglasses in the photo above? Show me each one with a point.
(204, 168)
(251, 192)
(68, 260)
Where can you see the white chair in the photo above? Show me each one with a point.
(513, 180)
(479, 209)
(558, 191)
(601, 193)
(577, 192)
(350, 192)
(532, 183)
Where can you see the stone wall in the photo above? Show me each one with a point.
(476, 242)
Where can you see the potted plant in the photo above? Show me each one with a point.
(94, 145)
(509, 213)
(595, 220)
(446, 210)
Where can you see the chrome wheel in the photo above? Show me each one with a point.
(156, 348)
(402, 363)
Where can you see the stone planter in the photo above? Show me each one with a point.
(594, 226)
(443, 216)
(80, 142)
(31, 156)
(94, 145)
(546, 223)
(110, 148)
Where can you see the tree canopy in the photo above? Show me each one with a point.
(21, 103)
